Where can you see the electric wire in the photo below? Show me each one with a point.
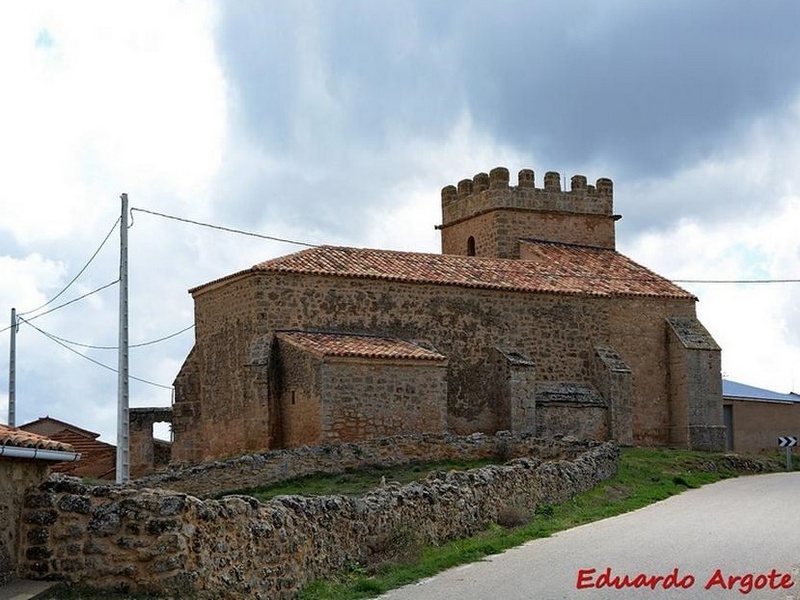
(554, 275)
(74, 279)
(735, 281)
(227, 229)
(91, 360)
(140, 345)
(60, 306)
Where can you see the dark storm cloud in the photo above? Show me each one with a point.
(322, 89)
(649, 86)
(319, 90)
(371, 65)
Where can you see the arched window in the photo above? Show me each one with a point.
(471, 246)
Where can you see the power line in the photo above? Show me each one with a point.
(74, 279)
(735, 281)
(86, 295)
(60, 306)
(91, 360)
(141, 345)
(227, 229)
(288, 241)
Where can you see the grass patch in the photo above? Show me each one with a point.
(354, 482)
(645, 476)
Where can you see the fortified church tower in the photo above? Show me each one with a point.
(484, 216)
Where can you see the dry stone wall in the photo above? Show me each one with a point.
(266, 468)
(165, 542)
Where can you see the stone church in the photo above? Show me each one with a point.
(529, 320)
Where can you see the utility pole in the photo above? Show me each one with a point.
(123, 423)
(12, 372)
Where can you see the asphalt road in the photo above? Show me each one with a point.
(748, 527)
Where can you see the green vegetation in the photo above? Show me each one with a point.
(354, 482)
(645, 476)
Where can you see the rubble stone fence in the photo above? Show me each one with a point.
(253, 470)
(169, 543)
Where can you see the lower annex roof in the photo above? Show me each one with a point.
(358, 345)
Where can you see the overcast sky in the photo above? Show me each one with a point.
(339, 122)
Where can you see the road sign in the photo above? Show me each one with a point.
(787, 441)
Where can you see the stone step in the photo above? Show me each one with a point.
(25, 589)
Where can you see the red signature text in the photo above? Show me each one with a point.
(774, 580)
(743, 583)
(606, 579)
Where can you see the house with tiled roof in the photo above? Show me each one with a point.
(98, 458)
(25, 460)
(528, 320)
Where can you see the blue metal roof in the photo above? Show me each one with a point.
(740, 391)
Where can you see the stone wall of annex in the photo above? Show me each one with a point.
(300, 392)
(329, 399)
(368, 399)
(169, 543)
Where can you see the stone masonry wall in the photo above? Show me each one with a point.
(498, 233)
(557, 332)
(379, 398)
(639, 336)
(164, 542)
(696, 380)
(16, 475)
(229, 411)
(301, 398)
(498, 215)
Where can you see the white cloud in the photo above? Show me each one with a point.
(412, 207)
(101, 99)
(750, 238)
(120, 97)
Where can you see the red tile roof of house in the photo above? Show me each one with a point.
(364, 346)
(11, 436)
(557, 268)
(54, 424)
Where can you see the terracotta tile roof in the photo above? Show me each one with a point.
(555, 268)
(49, 426)
(12, 436)
(364, 346)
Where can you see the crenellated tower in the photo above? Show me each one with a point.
(485, 216)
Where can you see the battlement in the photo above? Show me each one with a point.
(548, 212)
(498, 180)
